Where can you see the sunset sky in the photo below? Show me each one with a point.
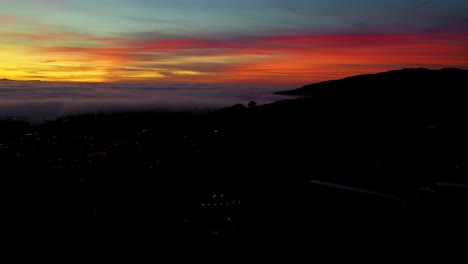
(227, 41)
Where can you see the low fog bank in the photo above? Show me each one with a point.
(38, 101)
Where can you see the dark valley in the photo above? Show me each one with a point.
(378, 157)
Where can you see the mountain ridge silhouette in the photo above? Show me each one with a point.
(394, 79)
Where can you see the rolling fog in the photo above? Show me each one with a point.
(36, 101)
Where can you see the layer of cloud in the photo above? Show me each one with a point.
(296, 42)
(36, 101)
(220, 58)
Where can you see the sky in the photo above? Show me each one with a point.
(226, 41)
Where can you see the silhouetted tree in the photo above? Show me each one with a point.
(252, 104)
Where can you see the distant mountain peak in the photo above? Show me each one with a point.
(415, 69)
(5, 79)
(390, 81)
(453, 69)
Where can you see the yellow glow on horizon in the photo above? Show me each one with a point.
(82, 58)
(187, 73)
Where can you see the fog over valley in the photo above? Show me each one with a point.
(36, 101)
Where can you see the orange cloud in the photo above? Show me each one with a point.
(292, 59)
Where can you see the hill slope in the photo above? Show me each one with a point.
(407, 81)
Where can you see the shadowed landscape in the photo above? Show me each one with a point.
(378, 157)
(137, 131)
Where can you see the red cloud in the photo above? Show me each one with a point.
(280, 58)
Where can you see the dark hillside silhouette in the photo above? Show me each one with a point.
(411, 82)
(370, 158)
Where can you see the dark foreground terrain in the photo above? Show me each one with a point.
(376, 161)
